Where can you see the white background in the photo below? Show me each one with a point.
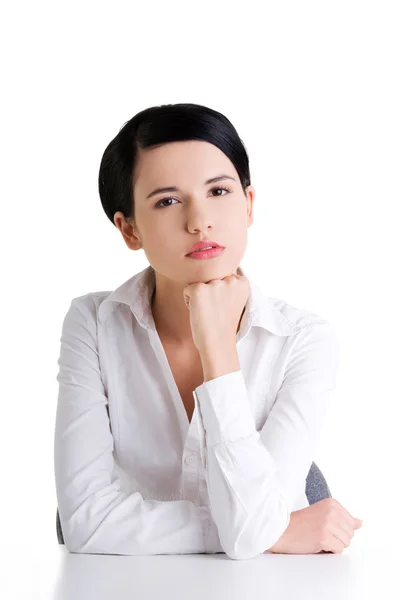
(313, 91)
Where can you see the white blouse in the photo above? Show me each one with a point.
(133, 476)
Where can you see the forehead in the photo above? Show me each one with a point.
(178, 163)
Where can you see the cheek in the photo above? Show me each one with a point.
(237, 227)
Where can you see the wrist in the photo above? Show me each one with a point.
(282, 545)
(219, 362)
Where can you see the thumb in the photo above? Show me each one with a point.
(358, 523)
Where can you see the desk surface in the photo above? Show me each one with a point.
(50, 572)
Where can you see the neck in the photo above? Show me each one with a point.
(172, 319)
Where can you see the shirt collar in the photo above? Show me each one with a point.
(137, 291)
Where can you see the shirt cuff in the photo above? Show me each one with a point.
(224, 408)
(213, 543)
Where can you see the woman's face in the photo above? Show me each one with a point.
(168, 223)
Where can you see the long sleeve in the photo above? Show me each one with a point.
(254, 478)
(96, 515)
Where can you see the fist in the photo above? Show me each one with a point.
(216, 309)
(325, 526)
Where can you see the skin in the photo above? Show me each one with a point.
(197, 211)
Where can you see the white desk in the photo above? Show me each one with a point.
(50, 572)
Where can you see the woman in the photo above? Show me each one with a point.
(190, 404)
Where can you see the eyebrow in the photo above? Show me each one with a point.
(175, 189)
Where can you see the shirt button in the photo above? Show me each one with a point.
(189, 459)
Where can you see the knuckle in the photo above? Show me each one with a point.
(332, 511)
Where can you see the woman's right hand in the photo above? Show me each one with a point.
(325, 526)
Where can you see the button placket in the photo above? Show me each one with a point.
(189, 460)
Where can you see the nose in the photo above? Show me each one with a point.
(197, 221)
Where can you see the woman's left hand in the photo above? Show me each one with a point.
(216, 309)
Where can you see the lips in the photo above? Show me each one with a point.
(204, 244)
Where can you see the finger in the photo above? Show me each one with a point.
(343, 533)
(333, 544)
(337, 546)
(352, 521)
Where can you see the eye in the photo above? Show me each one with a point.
(159, 204)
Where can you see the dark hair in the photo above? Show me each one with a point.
(155, 126)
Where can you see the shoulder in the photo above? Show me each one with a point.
(300, 317)
(86, 307)
(308, 327)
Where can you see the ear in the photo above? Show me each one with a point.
(250, 196)
(128, 231)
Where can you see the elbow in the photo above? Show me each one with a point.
(74, 541)
(243, 546)
(243, 549)
(80, 544)
(255, 538)
(76, 538)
